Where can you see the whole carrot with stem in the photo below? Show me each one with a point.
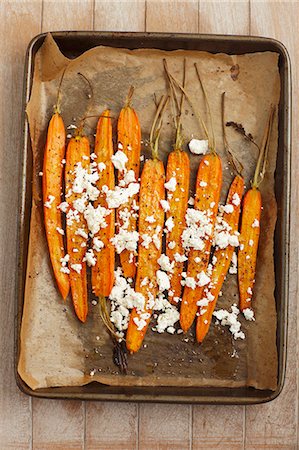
(150, 244)
(129, 141)
(52, 194)
(178, 168)
(250, 223)
(222, 257)
(102, 277)
(207, 194)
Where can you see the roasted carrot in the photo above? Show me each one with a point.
(77, 156)
(52, 192)
(250, 224)
(222, 258)
(151, 193)
(103, 272)
(208, 187)
(178, 167)
(129, 141)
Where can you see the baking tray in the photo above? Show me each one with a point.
(72, 44)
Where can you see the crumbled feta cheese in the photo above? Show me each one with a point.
(97, 244)
(230, 319)
(40, 174)
(125, 240)
(190, 282)
(199, 228)
(236, 199)
(248, 314)
(101, 166)
(60, 230)
(198, 146)
(191, 201)
(255, 224)
(49, 202)
(165, 263)
(119, 160)
(119, 195)
(169, 224)
(65, 260)
(163, 281)
(71, 127)
(171, 245)
(129, 177)
(203, 184)
(146, 240)
(64, 269)
(82, 233)
(95, 218)
(90, 258)
(180, 258)
(150, 219)
(228, 208)
(171, 184)
(234, 264)
(249, 291)
(250, 242)
(76, 267)
(63, 206)
(203, 279)
(165, 205)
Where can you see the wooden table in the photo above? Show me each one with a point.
(27, 423)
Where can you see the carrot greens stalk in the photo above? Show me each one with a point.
(52, 194)
(250, 223)
(150, 244)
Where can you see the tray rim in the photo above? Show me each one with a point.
(21, 258)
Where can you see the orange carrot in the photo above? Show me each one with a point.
(151, 193)
(129, 141)
(208, 187)
(103, 271)
(250, 224)
(222, 258)
(178, 166)
(78, 151)
(52, 191)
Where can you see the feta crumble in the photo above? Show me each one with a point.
(198, 146)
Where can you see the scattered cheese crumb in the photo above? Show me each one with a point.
(76, 267)
(165, 205)
(171, 184)
(60, 230)
(248, 314)
(255, 224)
(119, 160)
(198, 146)
(49, 202)
(163, 281)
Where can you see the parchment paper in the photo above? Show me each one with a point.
(57, 350)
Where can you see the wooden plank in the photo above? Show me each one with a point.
(20, 21)
(117, 15)
(163, 427)
(274, 425)
(60, 424)
(67, 15)
(224, 17)
(172, 16)
(220, 427)
(112, 426)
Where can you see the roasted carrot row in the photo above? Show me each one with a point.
(151, 192)
(178, 166)
(52, 191)
(250, 224)
(78, 151)
(208, 187)
(103, 271)
(129, 141)
(222, 258)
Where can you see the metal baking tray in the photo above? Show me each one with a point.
(72, 44)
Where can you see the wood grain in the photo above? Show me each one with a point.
(60, 424)
(19, 23)
(274, 425)
(116, 15)
(220, 427)
(225, 17)
(172, 16)
(111, 426)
